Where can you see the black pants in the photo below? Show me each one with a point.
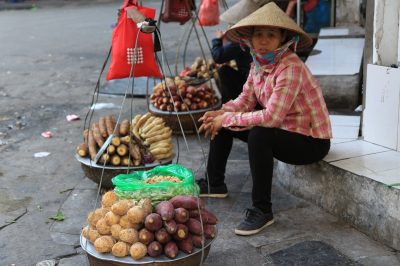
(264, 144)
(232, 82)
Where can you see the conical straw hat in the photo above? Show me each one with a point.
(268, 15)
(241, 9)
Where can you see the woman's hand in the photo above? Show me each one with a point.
(212, 123)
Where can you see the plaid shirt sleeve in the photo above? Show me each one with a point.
(288, 85)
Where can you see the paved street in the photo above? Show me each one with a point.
(50, 61)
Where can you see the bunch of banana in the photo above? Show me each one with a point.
(155, 135)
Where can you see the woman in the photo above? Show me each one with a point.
(293, 125)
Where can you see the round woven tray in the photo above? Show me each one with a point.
(98, 259)
(94, 171)
(185, 118)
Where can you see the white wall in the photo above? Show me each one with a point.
(347, 12)
(386, 32)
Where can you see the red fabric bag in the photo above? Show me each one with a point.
(209, 13)
(123, 55)
(177, 11)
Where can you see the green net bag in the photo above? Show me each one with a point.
(134, 185)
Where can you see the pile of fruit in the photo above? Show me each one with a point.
(142, 141)
(124, 227)
(176, 95)
(200, 69)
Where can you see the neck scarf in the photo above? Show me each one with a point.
(269, 59)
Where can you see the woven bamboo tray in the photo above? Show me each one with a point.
(185, 118)
(183, 259)
(94, 171)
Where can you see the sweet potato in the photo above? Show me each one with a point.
(122, 150)
(194, 213)
(85, 136)
(166, 210)
(208, 217)
(170, 226)
(186, 201)
(162, 236)
(194, 226)
(153, 222)
(134, 151)
(154, 249)
(102, 127)
(124, 127)
(209, 231)
(181, 232)
(146, 236)
(197, 240)
(181, 215)
(138, 250)
(186, 245)
(82, 150)
(171, 250)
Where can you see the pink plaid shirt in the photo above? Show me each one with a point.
(290, 96)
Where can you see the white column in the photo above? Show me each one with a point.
(386, 32)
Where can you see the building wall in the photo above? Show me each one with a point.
(347, 12)
(386, 32)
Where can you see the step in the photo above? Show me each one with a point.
(356, 181)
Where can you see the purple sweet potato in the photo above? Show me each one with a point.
(166, 210)
(170, 226)
(194, 226)
(187, 202)
(162, 236)
(145, 236)
(181, 232)
(181, 215)
(186, 245)
(171, 250)
(154, 249)
(209, 231)
(198, 241)
(194, 213)
(153, 222)
(208, 217)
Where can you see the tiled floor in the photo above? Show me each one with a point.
(355, 155)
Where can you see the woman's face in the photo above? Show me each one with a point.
(266, 39)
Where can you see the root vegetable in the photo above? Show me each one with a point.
(121, 207)
(136, 162)
(109, 198)
(209, 231)
(181, 215)
(111, 149)
(138, 250)
(124, 127)
(125, 223)
(194, 226)
(104, 244)
(154, 249)
(93, 235)
(85, 136)
(198, 241)
(162, 236)
(148, 121)
(170, 226)
(129, 235)
(82, 150)
(92, 145)
(111, 218)
(139, 123)
(160, 131)
(122, 150)
(136, 214)
(116, 141)
(166, 210)
(181, 232)
(120, 249)
(115, 160)
(208, 217)
(186, 245)
(146, 236)
(102, 127)
(115, 229)
(187, 202)
(166, 135)
(126, 161)
(85, 232)
(134, 151)
(110, 124)
(146, 205)
(153, 124)
(97, 136)
(156, 128)
(171, 250)
(125, 140)
(159, 151)
(102, 227)
(153, 222)
(105, 158)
